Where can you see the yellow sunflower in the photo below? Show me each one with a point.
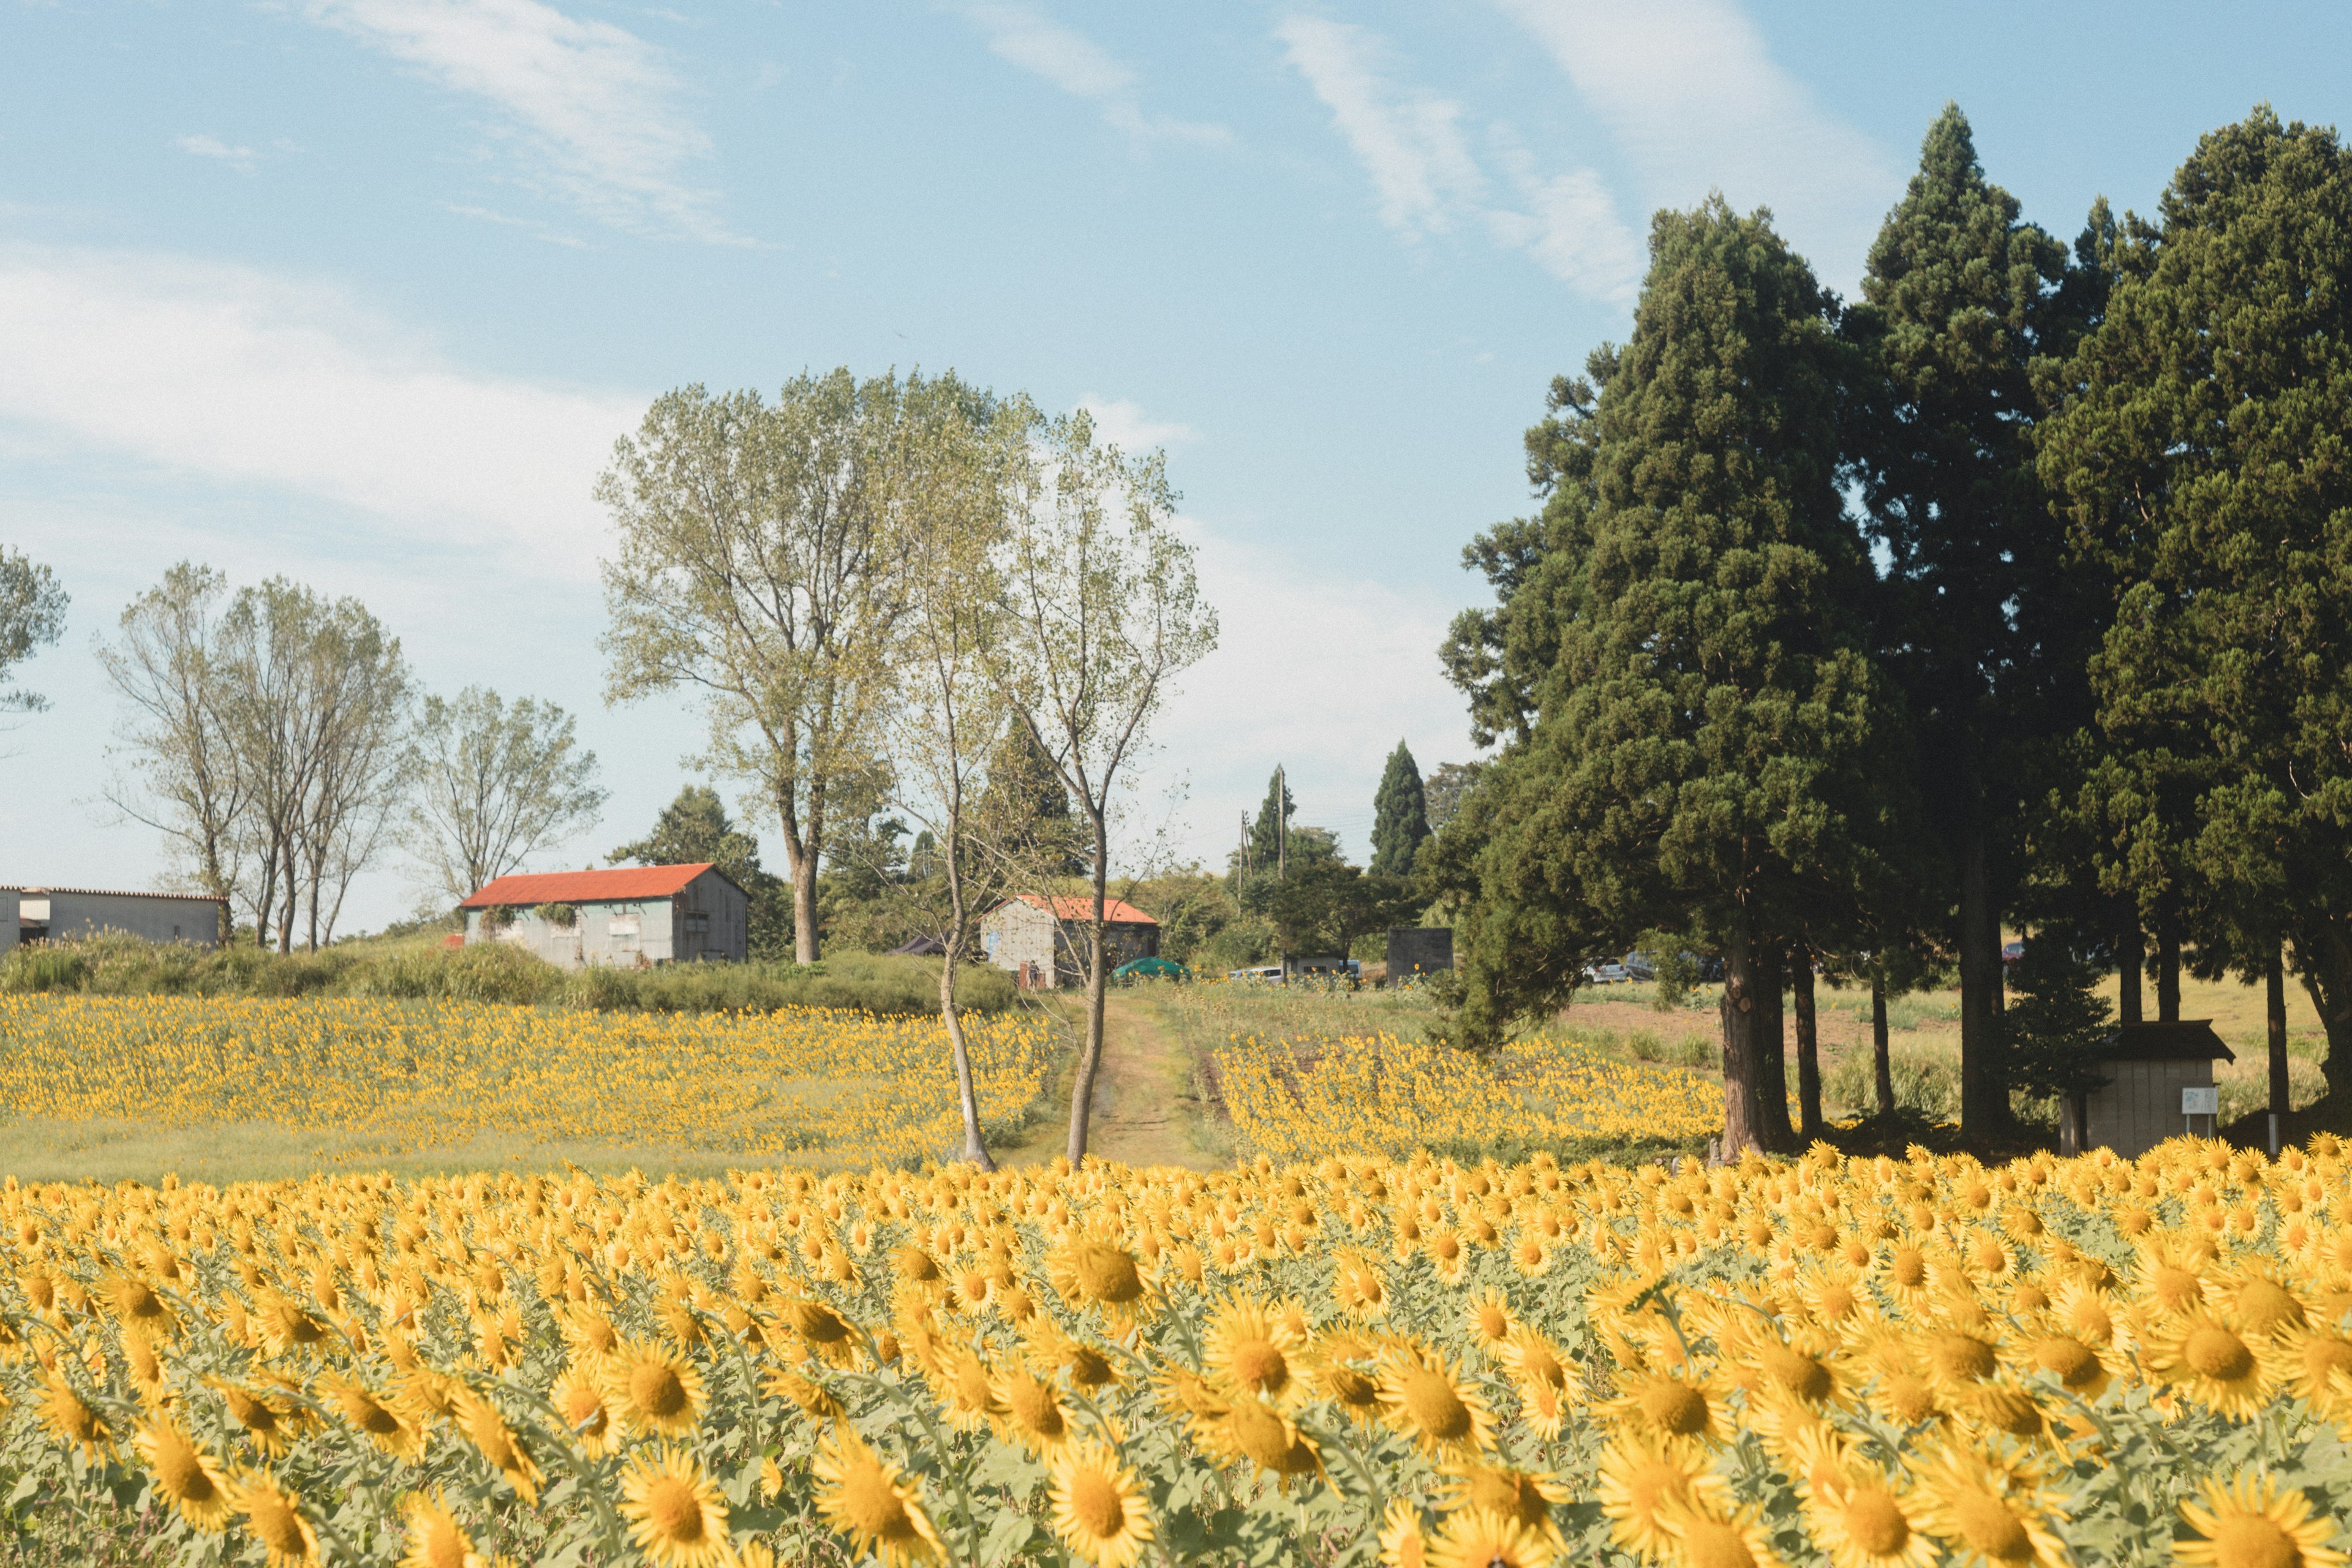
(384, 1425)
(435, 1538)
(1988, 1512)
(185, 1475)
(652, 1388)
(67, 1413)
(1673, 1409)
(578, 1396)
(1425, 1400)
(1098, 1507)
(1490, 1321)
(1639, 1478)
(2205, 1357)
(275, 1519)
(1526, 1496)
(1251, 1428)
(1093, 1274)
(673, 1511)
(1481, 1538)
(867, 1499)
(1402, 1544)
(1030, 1412)
(482, 1424)
(2252, 1522)
(1700, 1538)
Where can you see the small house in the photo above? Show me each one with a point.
(67, 914)
(1043, 940)
(630, 917)
(2147, 1066)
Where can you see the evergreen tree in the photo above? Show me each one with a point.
(1972, 603)
(1025, 788)
(1710, 749)
(1265, 832)
(2056, 1022)
(1400, 816)
(695, 827)
(2202, 452)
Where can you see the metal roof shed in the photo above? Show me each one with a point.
(2147, 1066)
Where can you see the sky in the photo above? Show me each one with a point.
(360, 292)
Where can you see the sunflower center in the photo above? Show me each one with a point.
(657, 1390)
(1352, 1388)
(2250, 1541)
(1710, 1543)
(445, 1546)
(673, 1509)
(1963, 1358)
(2177, 1287)
(1675, 1407)
(2265, 1307)
(1992, 1527)
(1258, 1363)
(1032, 1404)
(1433, 1405)
(1106, 1274)
(1910, 1268)
(1259, 1433)
(2070, 1360)
(275, 1523)
(1874, 1522)
(1800, 1374)
(1097, 1506)
(873, 1505)
(2212, 1351)
(182, 1473)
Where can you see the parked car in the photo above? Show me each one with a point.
(2010, 952)
(1605, 973)
(1639, 967)
(1272, 971)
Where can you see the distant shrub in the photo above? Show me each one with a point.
(561, 915)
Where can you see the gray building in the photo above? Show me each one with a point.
(2146, 1066)
(66, 914)
(1043, 940)
(630, 917)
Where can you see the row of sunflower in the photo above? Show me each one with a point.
(418, 1074)
(1874, 1363)
(1301, 1100)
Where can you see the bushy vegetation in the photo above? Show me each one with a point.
(116, 966)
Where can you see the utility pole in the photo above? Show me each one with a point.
(1241, 861)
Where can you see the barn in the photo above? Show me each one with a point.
(1043, 940)
(2146, 1066)
(630, 917)
(66, 914)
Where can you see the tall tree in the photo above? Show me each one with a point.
(1028, 800)
(1709, 749)
(32, 613)
(498, 783)
(1400, 816)
(759, 563)
(1098, 612)
(2202, 455)
(695, 827)
(1267, 828)
(1951, 313)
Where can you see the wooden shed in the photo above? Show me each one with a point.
(2146, 1066)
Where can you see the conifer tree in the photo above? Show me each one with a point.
(1710, 748)
(1400, 816)
(1266, 830)
(1972, 601)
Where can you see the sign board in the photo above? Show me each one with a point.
(2205, 1102)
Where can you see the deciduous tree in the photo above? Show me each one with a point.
(32, 613)
(498, 783)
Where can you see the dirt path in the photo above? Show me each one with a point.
(1145, 1109)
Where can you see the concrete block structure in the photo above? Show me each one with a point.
(67, 914)
(2146, 1066)
(1043, 940)
(631, 917)
(1419, 950)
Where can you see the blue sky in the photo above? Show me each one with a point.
(361, 291)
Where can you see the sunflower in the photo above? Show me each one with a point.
(1402, 1545)
(1701, 1538)
(1030, 1412)
(826, 1333)
(185, 1474)
(67, 1413)
(1956, 1360)
(2172, 1279)
(1426, 1400)
(436, 1540)
(275, 1519)
(1447, 1254)
(1098, 1507)
(867, 1499)
(134, 1304)
(401, 1439)
(2080, 1368)
(2261, 1303)
(486, 1428)
(145, 1364)
(673, 1511)
(1526, 1496)
(1354, 1391)
(1093, 1274)
(272, 1427)
(652, 1388)
(2318, 1363)
(1490, 1320)
(2251, 1521)
(1481, 1538)
(1672, 1409)
(578, 1396)
(966, 1386)
(1987, 1512)
(1638, 1476)
(1244, 1352)
(1251, 1428)
(2205, 1357)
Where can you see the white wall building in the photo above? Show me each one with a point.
(629, 918)
(68, 914)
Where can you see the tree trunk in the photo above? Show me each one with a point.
(974, 1150)
(803, 869)
(1881, 1058)
(1772, 1034)
(1809, 1061)
(2131, 959)
(1743, 1053)
(1082, 1092)
(1983, 1096)
(2274, 1010)
(2168, 968)
(2323, 951)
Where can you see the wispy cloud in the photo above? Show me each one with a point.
(201, 146)
(1690, 90)
(1025, 37)
(594, 106)
(1121, 422)
(1426, 179)
(243, 377)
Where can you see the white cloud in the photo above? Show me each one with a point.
(1573, 230)
(1023, 35)
(1409, 142)
(594, 103)
(1690, 90)
(201, 146)
(1121, 422)
(243, 377)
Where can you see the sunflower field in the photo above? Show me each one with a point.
(420, 1075)
(1302, 1099)
(1875, 1363)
